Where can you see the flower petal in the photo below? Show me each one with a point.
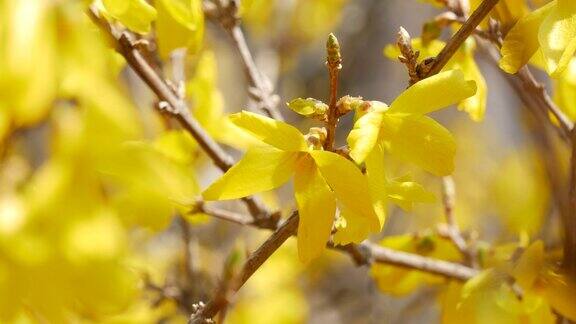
(351, 228)
(348, 183)
(406, 193)
(433, 93)
(316, 206)
(261, 169)
(422, 141)
(377, 181)
(557, 36)
(520, 44)
(278, 134)
(364, 136)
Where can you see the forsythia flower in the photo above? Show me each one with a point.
(321, 180)
(489, 298)
(405, 131)
(462, 60)
(535, 274)
(555, 27)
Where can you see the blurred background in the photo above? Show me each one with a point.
(96, 186)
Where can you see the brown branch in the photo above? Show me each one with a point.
(362, 254)
(452, 229)
(334, 64)
(224, 214)
(534, 95)
(446, 269)
(172, 104)
(529, 82)
(460, 36)
(256, 259)
(544, 102)
(535, 98)
(261, 90)
(366, 253)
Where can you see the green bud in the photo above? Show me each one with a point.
(334, 58)
(309, 107)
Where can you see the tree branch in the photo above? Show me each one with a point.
(366, 253)
(172, 104)
(261, 90)
(460, 36)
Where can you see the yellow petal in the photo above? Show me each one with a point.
(520, 44)
(377, 182)
(565, 90)
(316, 206)
(422, 141)
(433, 93)
(557, 36)
(560, 291)
(278, 134)
(349, 185)
(529, 266)
(137, 15)
(475, 105)
(351, 228)
(406, 193)
(180, 25)
(364, 136)
(261, 169)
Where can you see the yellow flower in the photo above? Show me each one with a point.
(536, 274)
(321, 180)
(405, 131)
(462, 60)
(555, 27)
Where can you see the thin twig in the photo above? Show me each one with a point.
(461, 35)
(261, 90)
(452, 229)
(224, 214)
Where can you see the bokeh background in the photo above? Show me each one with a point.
(75, 214)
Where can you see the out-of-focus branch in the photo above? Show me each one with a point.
(536, 90)
(452, 230)
(255, 260)
(225, 13)
(173, 105)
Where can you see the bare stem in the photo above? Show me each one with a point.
(453, 230)
(260, 89)
(461, 35)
